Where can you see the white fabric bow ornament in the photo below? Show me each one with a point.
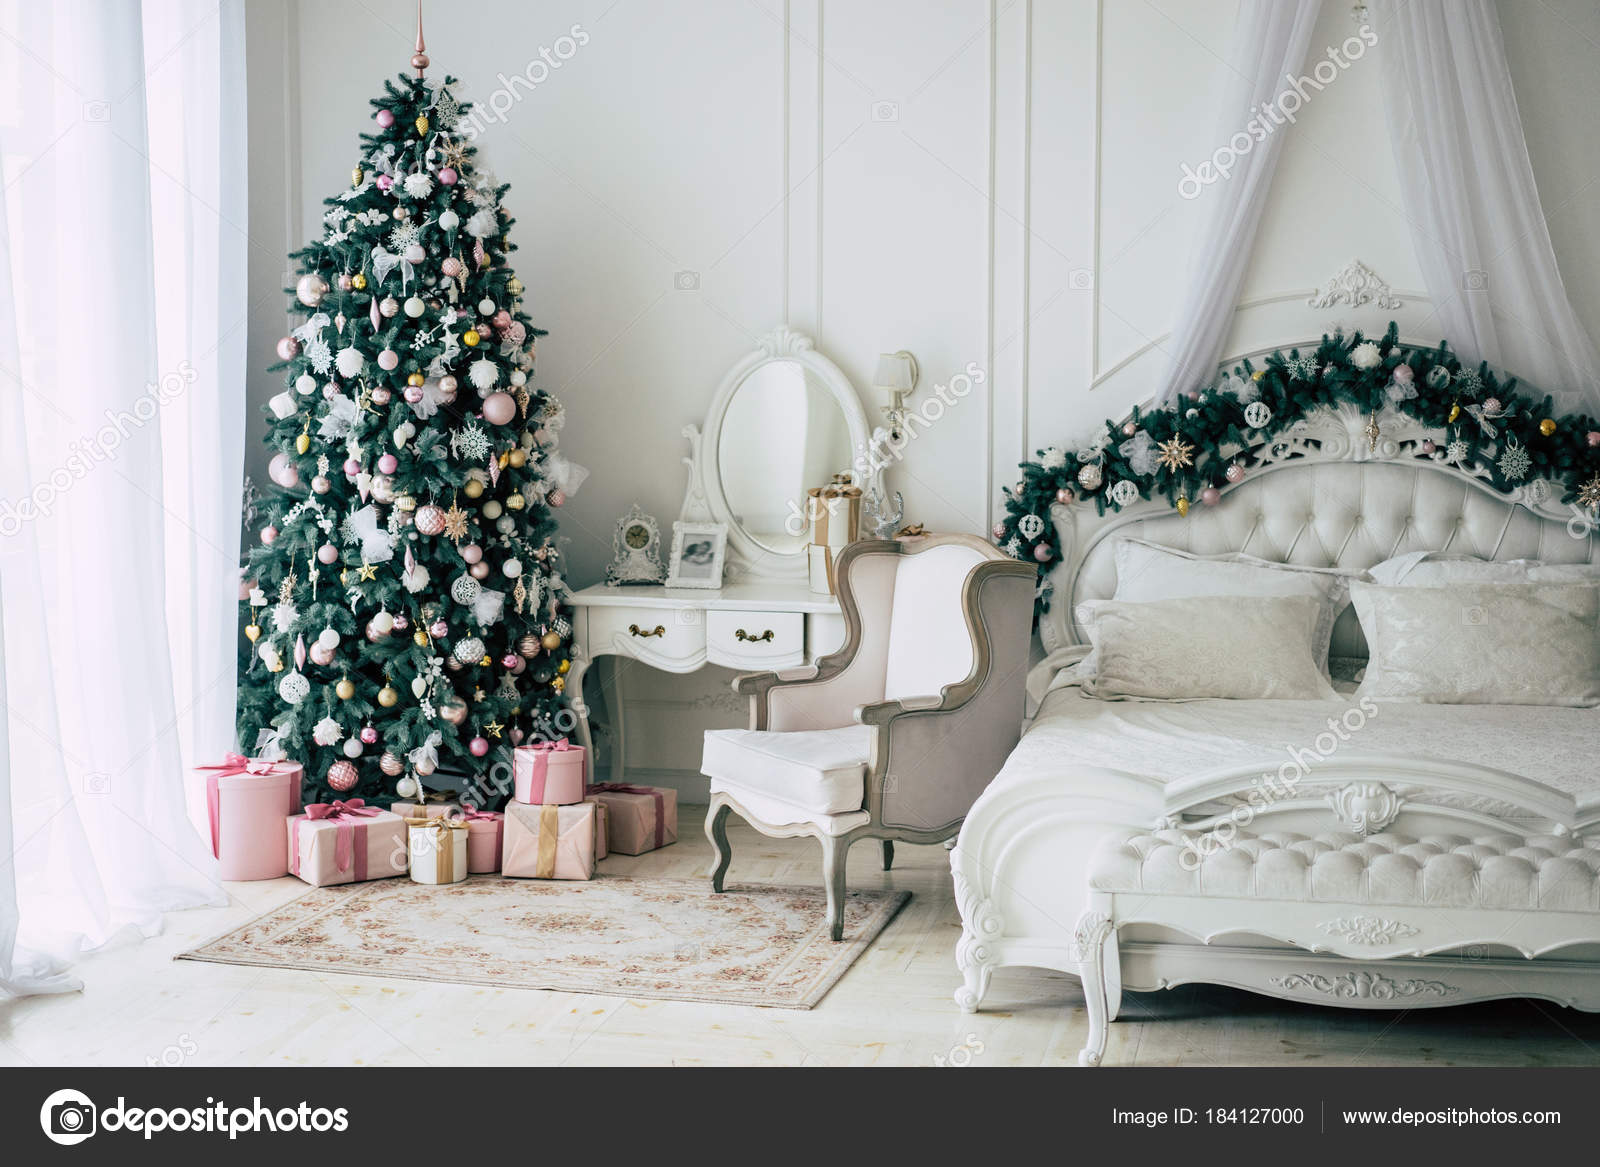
(384, 262)
(269, 745)
(426, 756)
(312, 327)
(564, 475)
(377, 545)
(488, 606)
(432, 397)
(340, 419)
(1140, 452)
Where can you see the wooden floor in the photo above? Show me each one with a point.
(893, 1008)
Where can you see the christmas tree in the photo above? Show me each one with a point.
(405, 606)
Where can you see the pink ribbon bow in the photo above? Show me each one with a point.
(231, 764)
(558, 745)
(350, 845)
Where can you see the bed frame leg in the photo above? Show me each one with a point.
(1091, 939)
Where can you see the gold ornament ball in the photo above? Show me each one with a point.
(550, 641)
(514, 286)
(345, 689)
(564, 667)
(515, 502)
(559, 684)
(1258, 374)
(358, 281)
(1547, 426)
(1183, 505)
(252, 632)
(356, 176)
(518, 457)
(415, 379)
(473, 488)
(387, 696)
(390, 764)
(420, 637)
(470, 338)
(528, 646)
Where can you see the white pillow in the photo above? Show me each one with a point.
(1147, 572)
(1482, 643)
(1207, 646)
(1433, 569)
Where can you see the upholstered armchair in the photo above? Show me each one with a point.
(897, 733)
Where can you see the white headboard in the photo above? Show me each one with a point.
(1322, 495)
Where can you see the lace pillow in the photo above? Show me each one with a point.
(1434, 569)
(1482, 643)
(1148, 571)
(1207, 646)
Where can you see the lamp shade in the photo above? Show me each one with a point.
(896, 372)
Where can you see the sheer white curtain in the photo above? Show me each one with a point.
(122, 318)
(1478, 228)
(1269, 47)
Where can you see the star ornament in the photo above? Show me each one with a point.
(455, 523)
(1589, 494)
(366, 572)
(493, 729)
(1175, 454)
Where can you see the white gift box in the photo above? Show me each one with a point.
(438, 850)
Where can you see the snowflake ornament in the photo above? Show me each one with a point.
(1302, 368)
(446, 110)
(1589, 494)
(1458, 452)
(1515, 461)
(1468, 382)
(320, 356)
(404, 235)
(1176, 454)
(1053, 458)
(470, 442)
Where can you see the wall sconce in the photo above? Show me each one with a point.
(897, 376)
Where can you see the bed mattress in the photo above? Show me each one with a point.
(1166, 740)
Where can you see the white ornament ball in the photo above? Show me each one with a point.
(383, 622)
(464, 590)
(310, 289)
(486, 307)
(1090, 476)
(349, 362)
(449, 221)
(1124, 492)
(352, 747)
(305, 385)
(469, 651)
(511, 568)
(1258, 415)
(492, 509)
(415, 307)
(407, 787)
(505, 524)
(518, 377)
(415, 253)
(294, 688)
(328, 638)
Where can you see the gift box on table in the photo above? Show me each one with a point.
(347, 842)
(549, 841)
(486, 832)
(639, 818)
(438, 847)
(240, 805)
(549, 772)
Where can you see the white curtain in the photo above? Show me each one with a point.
(1478, 229)
(122, 324)
(1269, 48)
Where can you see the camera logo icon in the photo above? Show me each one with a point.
(1474, 617)
(886, 111)
(68, 1117)
(686, 281)
(1476, 280)
(97, 111)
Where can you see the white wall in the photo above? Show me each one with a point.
(989, 181)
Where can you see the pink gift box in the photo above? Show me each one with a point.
(241, 805)
(639, 818)
(347, 842)
(549, 842)
(486, 830)
(549, 772)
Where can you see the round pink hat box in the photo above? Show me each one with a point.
(246, 820)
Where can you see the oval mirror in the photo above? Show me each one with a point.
(784, 432)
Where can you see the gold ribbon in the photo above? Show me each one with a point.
(444, 845)
(544, 866)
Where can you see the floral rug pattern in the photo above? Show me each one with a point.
(670, 939)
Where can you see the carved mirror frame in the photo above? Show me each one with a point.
(706, 501)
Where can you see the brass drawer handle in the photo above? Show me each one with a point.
(752, 638)
(658, 630)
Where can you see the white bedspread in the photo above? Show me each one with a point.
(1165, 741)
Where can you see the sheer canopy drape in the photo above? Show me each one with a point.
(122, 327)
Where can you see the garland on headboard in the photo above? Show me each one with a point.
(1189, 451)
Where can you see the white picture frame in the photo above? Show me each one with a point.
(698, 554)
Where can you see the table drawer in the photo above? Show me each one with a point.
(767, 640)
(656, 635)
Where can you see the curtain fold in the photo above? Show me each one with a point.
(1478, 227)
(121, 423)
(1269, 47)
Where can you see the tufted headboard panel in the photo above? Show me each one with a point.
(1350, 515)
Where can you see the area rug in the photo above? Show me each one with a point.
(669, 939)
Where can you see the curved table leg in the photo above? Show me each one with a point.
(717, 832)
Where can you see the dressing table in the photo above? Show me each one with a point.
(784, 419)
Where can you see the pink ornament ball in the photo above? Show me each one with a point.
(439, 630)
(1492, 406)
(269, 535)
(388, 464)
(343, 776)
(369, 736)
(327, 554)
(1593, 438)
(384, 118)
(1235, 473)
(502, 320)
(351, 467)
(346, 282)
(471, 553)
(510, 661)
(413, 394)
(388, 360)
(479, 570)
(557, 498)
(321, 656)
(400, 622)
(516, 736)
(1065, 497)
(999, 530)
(282, 471)
(499, 409)
(1403, 375)
(519, 666)
(447, 175)
(1129, 428)
(1211, 496)
(1429, 446)
(385, 183)
(1043, 552)
(381, 395)
(451, 267)
(479, 747)
(288, 348)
